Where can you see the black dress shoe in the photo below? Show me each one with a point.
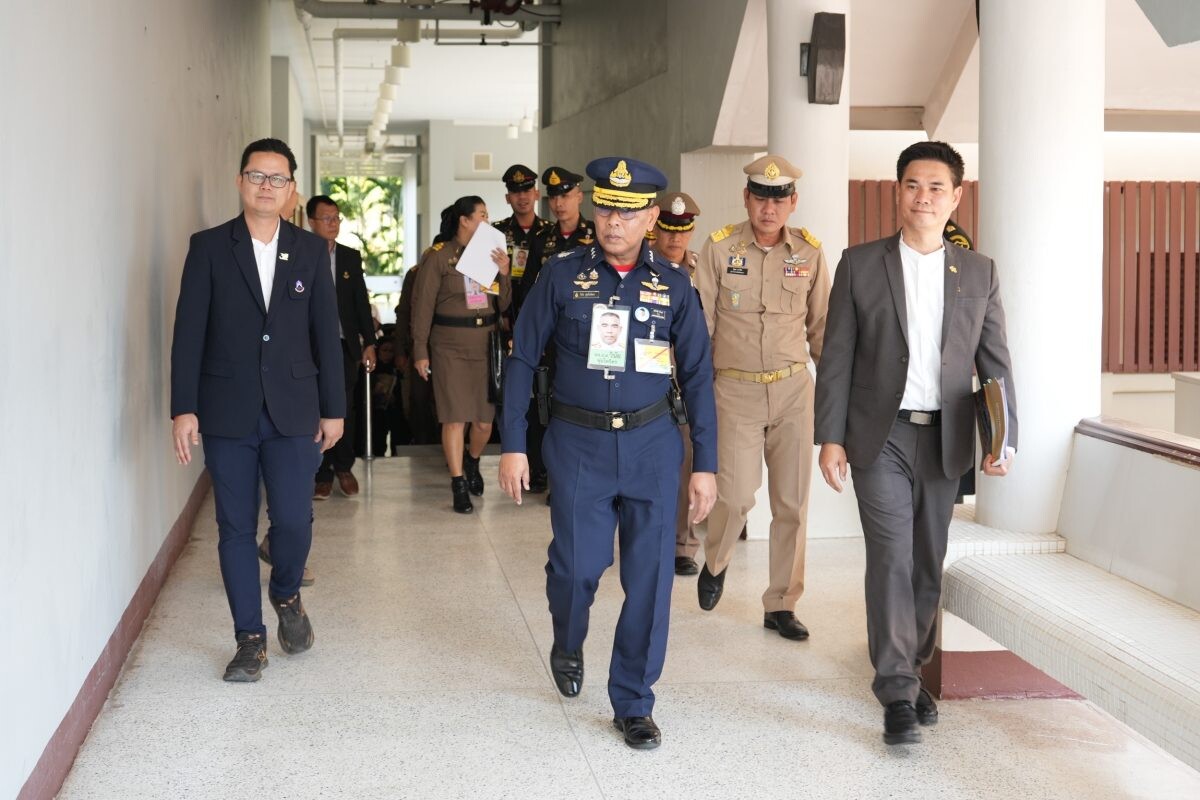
(538, 483)
(462, 498)
(927, 713)
(567, 669)
(640, 732)
(786, 623)
(471, 472)
(251, 657)
(685, 566)
(709, 588)
(900, 723)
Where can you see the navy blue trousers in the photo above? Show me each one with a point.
(285, 465)
(601, 482)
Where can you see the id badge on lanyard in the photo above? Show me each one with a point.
(476, 297)
(609, 339)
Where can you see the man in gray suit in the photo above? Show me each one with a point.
(908, 319)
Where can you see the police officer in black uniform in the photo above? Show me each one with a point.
(614, 309)
(523, 230)
(572, 229)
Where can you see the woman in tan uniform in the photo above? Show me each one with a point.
(451, 318)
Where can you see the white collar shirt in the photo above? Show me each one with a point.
(333, 274)
(265, 254)
(924, 303)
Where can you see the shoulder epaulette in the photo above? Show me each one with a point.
(808, 237)
(437, 246)
(723, 233)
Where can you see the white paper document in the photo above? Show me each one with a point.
(476, 259)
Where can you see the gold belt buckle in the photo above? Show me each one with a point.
(617, 420)
(770, 377)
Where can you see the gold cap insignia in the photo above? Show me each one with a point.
(677, 206)
(518, 177)
(771, 172)
(620, 176)
(554, 179)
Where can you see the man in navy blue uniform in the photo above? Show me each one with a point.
(256, 368)
(612, 446)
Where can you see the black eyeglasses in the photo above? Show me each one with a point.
(257, 178)
(624, 213)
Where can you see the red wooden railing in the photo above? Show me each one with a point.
(1151, 320)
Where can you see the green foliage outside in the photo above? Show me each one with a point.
(373, 221)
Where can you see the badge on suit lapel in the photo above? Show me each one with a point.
(346, 275)
(283, 256)
(954, 269)
(299, 286)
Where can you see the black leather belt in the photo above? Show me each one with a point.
(925, 418)
(609, 420)
(465, 322)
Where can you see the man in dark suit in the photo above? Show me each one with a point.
(358, 340)
(908, 320)
(256, 368)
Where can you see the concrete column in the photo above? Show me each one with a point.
(815, 138)
(1041, 173)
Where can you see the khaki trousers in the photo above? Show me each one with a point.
(754, 421)
(686, 542)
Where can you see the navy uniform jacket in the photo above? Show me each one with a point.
(230, 355)
(560, 305)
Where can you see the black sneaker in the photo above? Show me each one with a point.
(462, 497)
(249, 661)
(295, 631)
(471, 473)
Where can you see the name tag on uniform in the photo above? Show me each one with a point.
(585, 295)
(520, 259)
(655, 298)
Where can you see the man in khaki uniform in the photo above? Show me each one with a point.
(671, 236)
(765, 290)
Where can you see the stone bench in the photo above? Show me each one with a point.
(1115, 617)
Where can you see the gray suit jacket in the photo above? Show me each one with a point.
(864, 366)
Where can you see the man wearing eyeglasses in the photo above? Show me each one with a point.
(256, 369)
(612, 446)
(358, 340)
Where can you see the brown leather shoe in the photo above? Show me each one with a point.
(347, 483)
(322, 490)
(309, 578)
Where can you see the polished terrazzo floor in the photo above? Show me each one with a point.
(429, 680)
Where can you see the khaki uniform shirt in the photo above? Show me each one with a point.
(440, 289)
(765, 310)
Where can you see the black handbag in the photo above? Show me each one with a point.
(495, 366)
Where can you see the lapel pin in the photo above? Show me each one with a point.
(954, 269)
(346, 275)
(283, 256)
(299, 287)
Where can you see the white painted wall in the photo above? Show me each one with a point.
(123, 125)
(451, 175)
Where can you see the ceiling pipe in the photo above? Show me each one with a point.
(445, 12)
(337, 88)
(306, 22)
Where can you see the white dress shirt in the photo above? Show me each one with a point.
(333, 274)
(924, 302)
(265, 254)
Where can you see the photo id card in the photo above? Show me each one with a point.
(609, 340)
(476, 297)
(652, 356)
(520, 259)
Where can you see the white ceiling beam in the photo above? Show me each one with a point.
(948, 79)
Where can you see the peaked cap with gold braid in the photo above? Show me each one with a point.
(624, 183)
(678, 212)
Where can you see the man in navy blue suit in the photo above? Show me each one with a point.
(256, 368)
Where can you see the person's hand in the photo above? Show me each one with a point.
(185, 431)
(514, 474)
(422, 366)
(702, 493)
(368, 358)
(329, 433)
(834, 466)
(998, 469)
(500, 259)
